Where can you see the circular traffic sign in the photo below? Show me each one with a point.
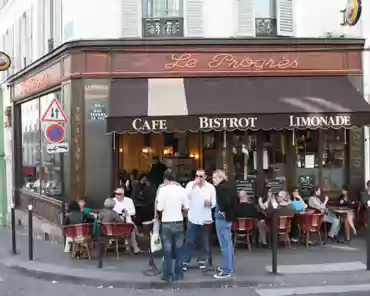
(55, 133)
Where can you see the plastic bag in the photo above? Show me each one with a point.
(156, 226)
(155, 242)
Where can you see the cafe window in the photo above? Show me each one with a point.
(42, 172)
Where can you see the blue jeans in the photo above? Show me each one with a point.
(172, 243)
(223, 229)
(191, 236)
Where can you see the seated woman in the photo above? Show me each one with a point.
(85, 210)
(107, 215)
(315, 203)
(297, 201)
(75, 216)
(264, 204)
(349, 223)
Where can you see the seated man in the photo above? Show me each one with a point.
(315, 203)
(245, 208)
(125, 207)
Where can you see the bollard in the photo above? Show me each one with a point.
(30, 233)
(274, 244)
(100, 245)
(63, 217)
(368, 237)
(12, 217)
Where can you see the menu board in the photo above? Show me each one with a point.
(306, 184)
(276, 185)
(248, 185)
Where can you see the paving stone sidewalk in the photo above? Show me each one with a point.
(321, 263)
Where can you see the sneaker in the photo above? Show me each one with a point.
(184, 266)
(222, 275)
(219, 269)
(202, 265)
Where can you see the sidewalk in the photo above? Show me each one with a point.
(320, 264)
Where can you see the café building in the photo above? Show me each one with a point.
(278, 112)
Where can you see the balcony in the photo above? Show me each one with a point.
(266, 27)
(163, 27)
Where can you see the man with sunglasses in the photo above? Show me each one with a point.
(202, 198)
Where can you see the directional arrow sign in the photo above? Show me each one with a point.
(54, 113)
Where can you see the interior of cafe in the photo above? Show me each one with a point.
(253, 159)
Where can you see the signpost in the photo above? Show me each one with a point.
(55, 133)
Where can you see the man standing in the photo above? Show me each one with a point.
(202, 198)
(171, 202)
(125, 207)
(157, 171)
(226, 202)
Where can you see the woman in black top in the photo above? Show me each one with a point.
(345, 201)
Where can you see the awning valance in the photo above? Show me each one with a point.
(193, 104)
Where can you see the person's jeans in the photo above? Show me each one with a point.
(223, 230)
(172, 242)
(191, 236)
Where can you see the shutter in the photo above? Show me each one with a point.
(131, 18)
(245, 18)
(29, 35)
(57, 25)
(284, 17)
(194, 22)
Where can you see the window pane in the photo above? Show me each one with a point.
(162, 8)
(51, 173)
(30, 134)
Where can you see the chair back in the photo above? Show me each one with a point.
(285, 223)
(79, 231)
(310, 222)
(116, 229)
(243, 224)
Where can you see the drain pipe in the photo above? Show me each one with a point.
(3, 197)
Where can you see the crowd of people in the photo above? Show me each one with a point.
(201, 203)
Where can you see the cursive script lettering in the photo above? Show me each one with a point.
(317, 121)
(149, 125)
(228, 61)
(184, 61)
(227, 123)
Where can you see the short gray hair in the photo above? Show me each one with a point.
(109, 203)
(220, 174)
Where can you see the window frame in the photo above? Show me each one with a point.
(149, 11)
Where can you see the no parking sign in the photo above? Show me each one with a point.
(55, 133)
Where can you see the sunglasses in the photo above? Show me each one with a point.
(199, 176)
(118, 193)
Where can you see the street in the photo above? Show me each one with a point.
(14, 284)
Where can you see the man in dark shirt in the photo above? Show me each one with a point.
(245, 208)
(157, 171)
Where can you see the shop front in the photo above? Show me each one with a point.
(269, 112)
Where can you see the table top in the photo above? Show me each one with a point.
(340, 209)
(306, 212)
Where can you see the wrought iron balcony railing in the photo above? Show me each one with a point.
(163, 27)
(266, 27)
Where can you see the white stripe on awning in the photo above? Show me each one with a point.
(166, 97)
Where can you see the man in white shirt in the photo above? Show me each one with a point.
(125, 207)
(171, 202)
(202, 198)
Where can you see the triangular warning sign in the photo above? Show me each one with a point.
(54, 113)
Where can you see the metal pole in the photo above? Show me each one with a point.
(12, 217)
(368, 237)
(274, 240)
(63, 217)
(30, 233)
(100, 245)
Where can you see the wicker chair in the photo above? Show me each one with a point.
(81, 236)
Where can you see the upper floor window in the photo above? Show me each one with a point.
(163, 18)
(265, 12)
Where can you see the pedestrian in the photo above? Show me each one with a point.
(202, 198)
(172, 201)
(226, 202)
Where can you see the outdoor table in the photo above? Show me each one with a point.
(147, 230)
(308, 211)
(340, 210)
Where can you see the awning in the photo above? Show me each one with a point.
(193, 104)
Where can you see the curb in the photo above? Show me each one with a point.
(126, 280)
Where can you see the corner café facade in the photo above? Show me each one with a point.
(277, 111)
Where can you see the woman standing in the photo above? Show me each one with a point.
(226, 201)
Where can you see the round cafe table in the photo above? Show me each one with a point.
(306, 212)
(340, 210)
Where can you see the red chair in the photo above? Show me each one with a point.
(243, 228)
(117, 231)
(310, 224)
(81, 236)
(284, 227)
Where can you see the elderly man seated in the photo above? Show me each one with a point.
(107, 215)
(124, 206)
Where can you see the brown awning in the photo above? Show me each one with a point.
(192, 104)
